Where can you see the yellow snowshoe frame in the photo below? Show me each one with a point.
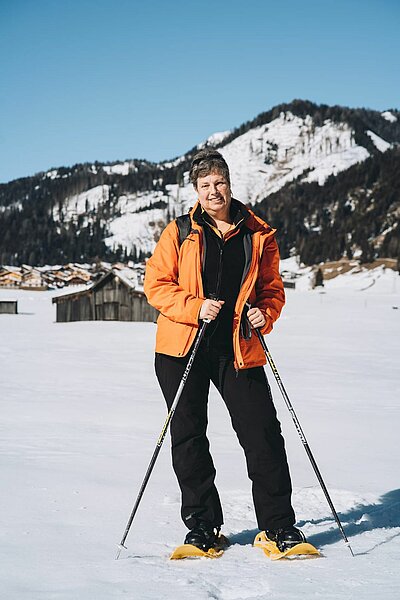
(302, 550)
(190, 551)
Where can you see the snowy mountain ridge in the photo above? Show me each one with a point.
(261, 162)
(121, 208)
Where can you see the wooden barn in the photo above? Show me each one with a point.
(112, 298)
(289, 284)
(8, 307)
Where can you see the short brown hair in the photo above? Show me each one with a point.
(208, 161)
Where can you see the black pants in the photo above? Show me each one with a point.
(248, 398)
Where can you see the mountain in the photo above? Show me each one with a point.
(328, 177)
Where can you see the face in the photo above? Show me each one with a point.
(214, 194)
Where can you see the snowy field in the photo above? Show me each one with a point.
(81, 413)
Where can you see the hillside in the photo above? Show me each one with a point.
(326, 176)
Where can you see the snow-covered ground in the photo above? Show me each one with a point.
(81, 413)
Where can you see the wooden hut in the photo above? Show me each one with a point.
(290, 284)
(112, 298)
(74, 306)
(8, 307)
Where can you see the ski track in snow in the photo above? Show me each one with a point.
(81, 413)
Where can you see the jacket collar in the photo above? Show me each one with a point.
(239, 212)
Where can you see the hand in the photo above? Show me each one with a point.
(210, 309)
(256, 318)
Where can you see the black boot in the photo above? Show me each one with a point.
(286, 537)
(203, 536)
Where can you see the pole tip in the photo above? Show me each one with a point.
(350, 548)
(120, 547)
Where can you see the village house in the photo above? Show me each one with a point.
(10, 277)
(32, 279)
(116, 296)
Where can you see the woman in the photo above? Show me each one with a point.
(229, 261)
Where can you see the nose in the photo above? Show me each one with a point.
(213, 189)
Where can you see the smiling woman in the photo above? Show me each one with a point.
(210, 177)
(215, 198)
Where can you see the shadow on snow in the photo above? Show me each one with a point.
(384, 514)
(365, 517)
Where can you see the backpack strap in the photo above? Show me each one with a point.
(184, 227)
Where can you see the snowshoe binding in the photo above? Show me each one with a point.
(288, 542)
(202, 541)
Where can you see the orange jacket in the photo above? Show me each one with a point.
(173, 285)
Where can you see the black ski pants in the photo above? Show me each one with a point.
(247, 396)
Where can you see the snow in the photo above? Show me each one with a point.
(128, 276)
(389, 116)
(140, 229)
(265, 158)
(379, 280)
(376, 281)
(13, 206)
(215, 139)
(380, 143)
(81, 203)
(82, 411)
(140, 225)
(173, 163)
(119, 169)
(51, 174)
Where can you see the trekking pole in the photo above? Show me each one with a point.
(302, 436)
(163, 434)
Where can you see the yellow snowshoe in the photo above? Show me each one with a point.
(270, 548)
(191, 551)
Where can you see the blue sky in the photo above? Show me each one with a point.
(85, 80)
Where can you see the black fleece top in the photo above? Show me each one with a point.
(222, 275)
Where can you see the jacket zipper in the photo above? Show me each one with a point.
(249, 275)
(219, 278)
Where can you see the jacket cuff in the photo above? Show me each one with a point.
(269, 323)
